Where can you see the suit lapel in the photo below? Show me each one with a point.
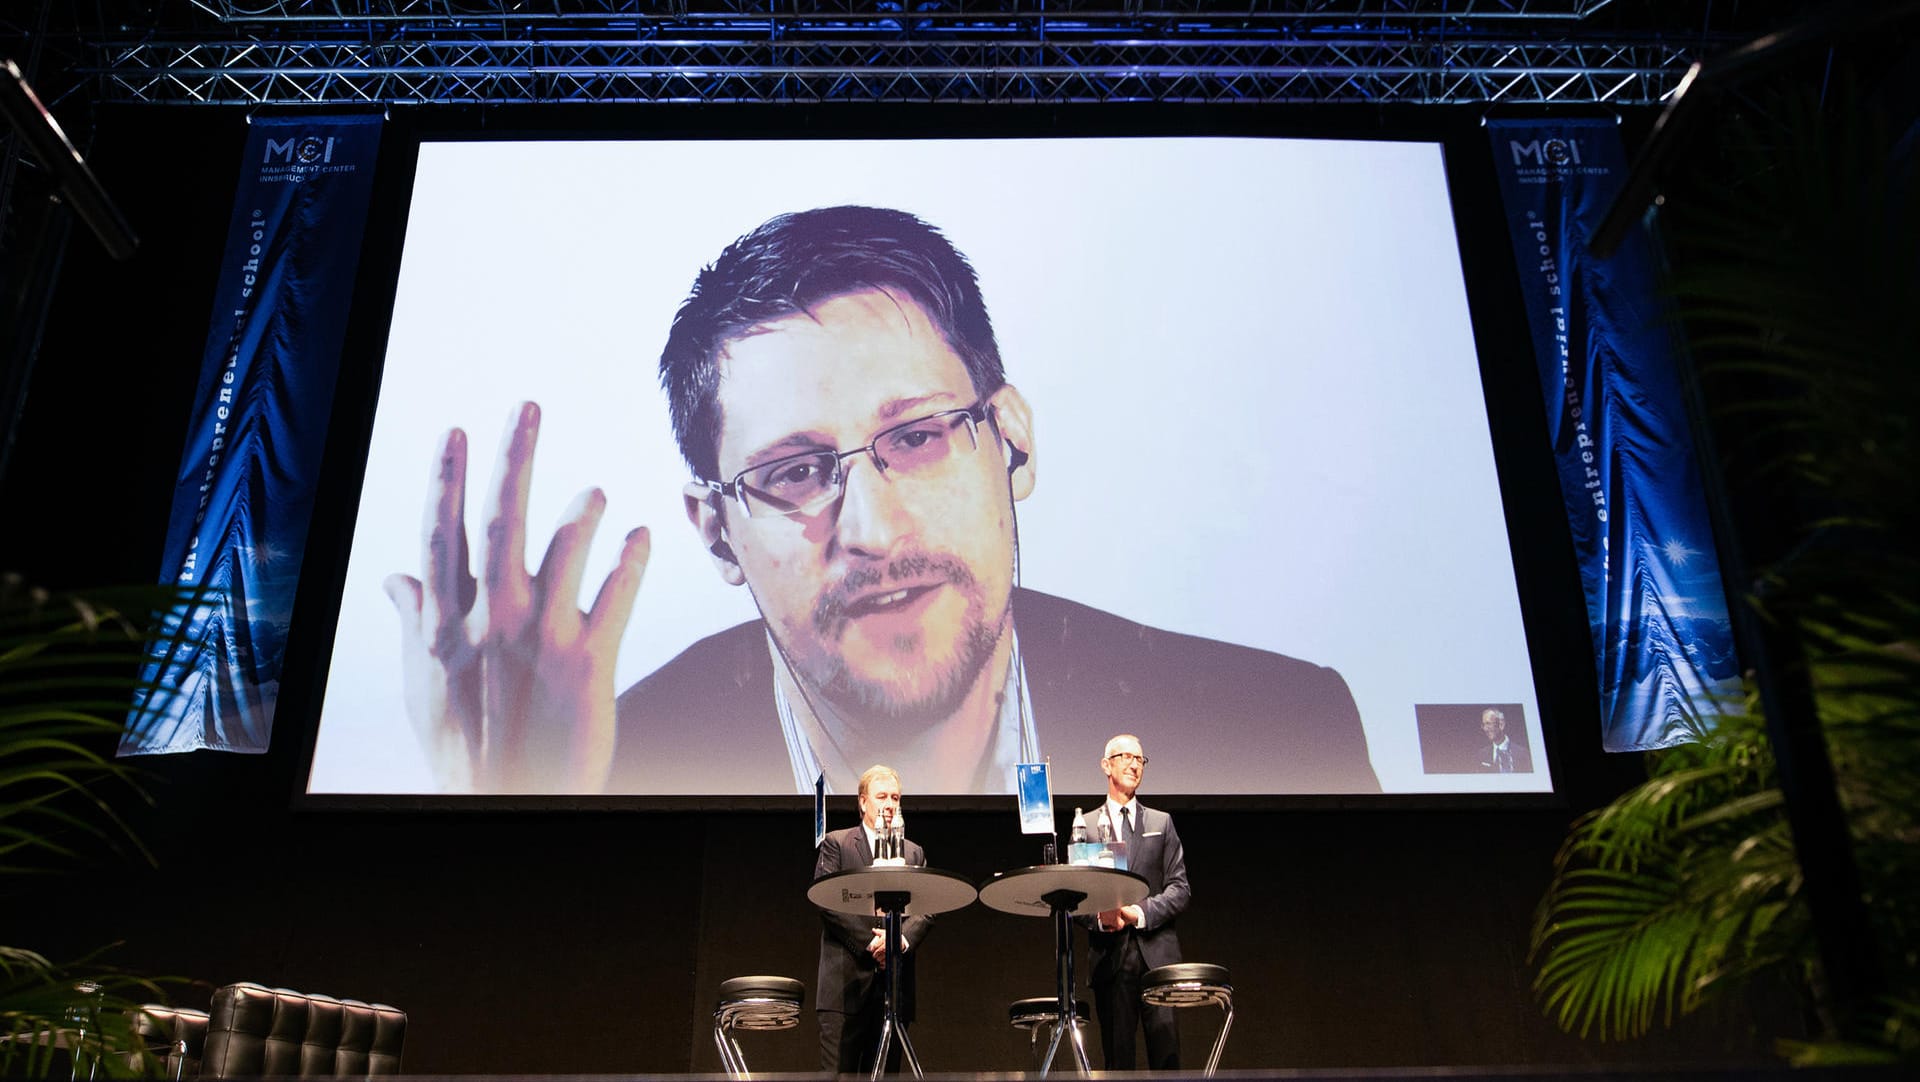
(1143, 856)
(861, 847)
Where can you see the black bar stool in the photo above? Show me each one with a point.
(755, 1004)
(1043, 1012)
(1192, 984)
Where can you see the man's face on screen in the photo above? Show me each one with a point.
(889, 600)
(1494, 726)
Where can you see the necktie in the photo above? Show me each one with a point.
(1126, 824)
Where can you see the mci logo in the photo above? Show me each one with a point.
(1545, 152)
(300, 150)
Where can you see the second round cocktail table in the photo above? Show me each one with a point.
(1061, 891)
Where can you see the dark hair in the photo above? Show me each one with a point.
(792, 263)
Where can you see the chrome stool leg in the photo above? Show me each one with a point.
(728, 1048)
(1220, 1042)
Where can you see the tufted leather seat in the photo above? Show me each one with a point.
(177, 1036)
(255, 1030)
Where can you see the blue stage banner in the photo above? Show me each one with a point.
(244, 493)
(1616, 412)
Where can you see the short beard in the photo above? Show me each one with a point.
(872, 704)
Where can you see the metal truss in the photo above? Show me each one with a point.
(478, 70)
(552, 11)
(421, 52)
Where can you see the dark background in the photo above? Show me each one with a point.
(1359, 933)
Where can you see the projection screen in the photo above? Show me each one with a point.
(1255, 520)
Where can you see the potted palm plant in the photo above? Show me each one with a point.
(69, 668)
(1796, 274)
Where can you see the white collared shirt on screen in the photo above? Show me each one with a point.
(1016, 737)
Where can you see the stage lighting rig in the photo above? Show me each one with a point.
(425, 52)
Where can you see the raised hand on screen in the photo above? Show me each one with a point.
(508, 684)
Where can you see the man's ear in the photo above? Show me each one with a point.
(1014, 418)
(710, 522)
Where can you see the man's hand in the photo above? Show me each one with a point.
(509, 686)
(1127, 916)
(878, 948)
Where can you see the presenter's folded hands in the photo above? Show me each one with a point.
(508, 683)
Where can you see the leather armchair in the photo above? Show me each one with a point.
(255, 1030)
(177, 1037)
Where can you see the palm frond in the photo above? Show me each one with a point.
(69, 681)
(80, 1013)
(69, 678)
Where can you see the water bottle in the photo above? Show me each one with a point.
(1079, 834)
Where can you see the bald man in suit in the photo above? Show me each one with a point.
(1124, 943)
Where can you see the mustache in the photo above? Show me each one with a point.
(830, 612)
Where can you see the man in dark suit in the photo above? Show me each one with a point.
(1501, 754)
(850, 990)
(1085, 673)
(857, 454)
(1127, 942)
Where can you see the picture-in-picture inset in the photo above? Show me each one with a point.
(1473, 738)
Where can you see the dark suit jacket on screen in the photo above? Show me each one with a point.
(1253, 721)
(1522, 759)
(1155, 853)
(849, 980)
